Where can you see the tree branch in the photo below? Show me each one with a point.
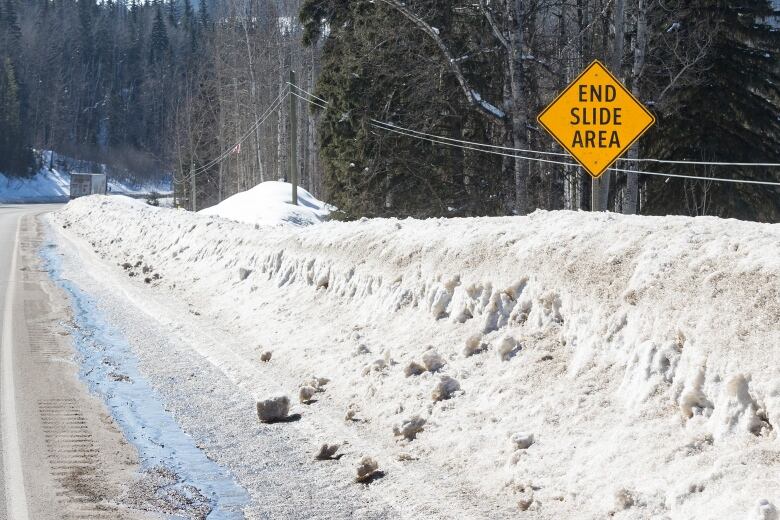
(486, 108)
(493, 25)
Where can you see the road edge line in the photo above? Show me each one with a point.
(15, 497)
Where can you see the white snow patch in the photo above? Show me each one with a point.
(270, 204)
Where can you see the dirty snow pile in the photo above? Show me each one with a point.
(270, 204)
(569, 365)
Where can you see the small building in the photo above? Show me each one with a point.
(82, 184)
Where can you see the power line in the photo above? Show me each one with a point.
(548, 161)
(697, 177)
(487, 148)
(393, 129)
(308, 100)
(222, 156)
(493, 146)
(274, 105)
(704, 163)
(296, 87)
(540, 152)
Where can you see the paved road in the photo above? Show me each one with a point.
(62, 455)
(12, 496)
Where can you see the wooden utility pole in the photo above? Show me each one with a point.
(293, 140)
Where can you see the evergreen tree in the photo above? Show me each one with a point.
(172, 13)
(159, 38)
(729, 115)
(203, 14)
(372, 172)
(86, 27)
(188, 15)
(10, 30)
(15, 157)
(134, 8)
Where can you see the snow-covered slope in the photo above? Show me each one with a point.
(603, 364)
(45, 186)
(270, 203)
(54, 185)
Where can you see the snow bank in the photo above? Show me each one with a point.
(270, 204)
(643, 358)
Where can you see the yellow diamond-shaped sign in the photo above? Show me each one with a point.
(596, 119)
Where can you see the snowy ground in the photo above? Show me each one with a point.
(270, 204)
(605, 365)
(54, 185)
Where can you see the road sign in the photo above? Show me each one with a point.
(596, 119)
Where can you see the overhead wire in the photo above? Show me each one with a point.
(548, 161)
(488, 148)
(308, 100)
(275, 104)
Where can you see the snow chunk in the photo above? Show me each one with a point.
(693, 401)
(327, 452)
(650, 366)
(409, 428)
(432, 361)
(306, 394)
(318, 383)
(522, 441)
(361, 349)
(378, 365)
(507, 347)
(273, 409)
(366, 469)
(524, 503)
(474, 345)
(352, 411)
(624, 499)
(413, 369)
(445, 388)
(736, 409)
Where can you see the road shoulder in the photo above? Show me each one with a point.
(76, 461)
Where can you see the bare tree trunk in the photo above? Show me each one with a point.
(601, 185)
(630, 204)
(193, 188)
(281, 136)
(518, 112)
